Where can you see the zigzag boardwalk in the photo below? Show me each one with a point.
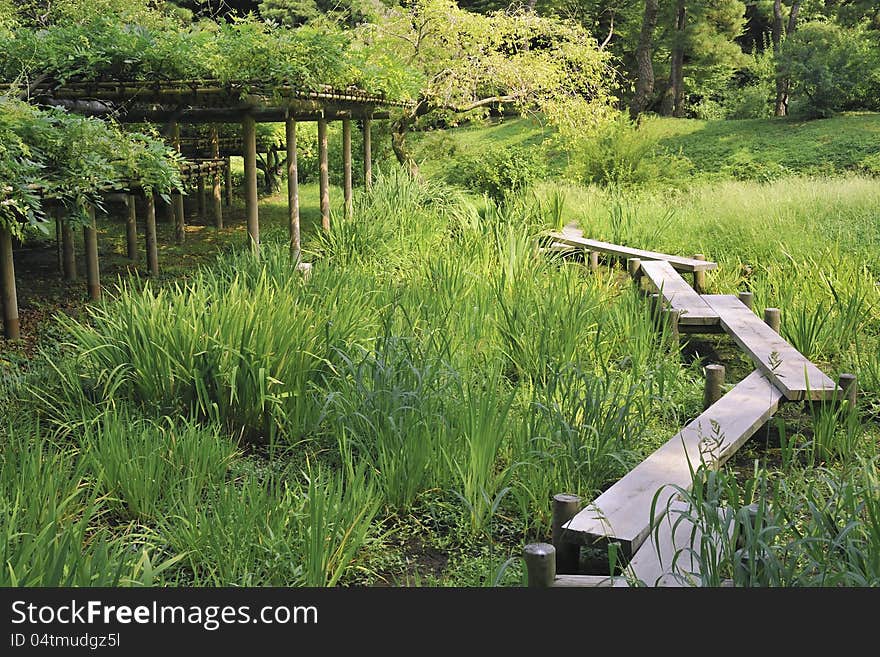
(797, 377)
(622, 514)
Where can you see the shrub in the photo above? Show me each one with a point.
(827, 65)
(618, 153)
(500, 171)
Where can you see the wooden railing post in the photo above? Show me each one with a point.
(565, 507)
(540, 561)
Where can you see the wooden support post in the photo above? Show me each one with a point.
(177, 197)
(150, 234)
(292, 190)
(849, 385)
(56, 212)
(594, 261)
(131, 235)
(746, 298)
(540, 561)
(772, 318)
(671, 317)
(324, 175)
(712, 391)
(633, 266)
(227, 172)
(656, 305)
(565, 507)
(699, 276)
(249, 135)
(11, 327)
(346, 167)
(368, 155)
(216, 198)
(68, 251)
(179, 217)
(202, 199)
(93, 276)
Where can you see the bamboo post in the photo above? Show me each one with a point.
(292, 190)
(249, 136)
(699, 276)
(772, 318)
(202, 199)
(540, 561)
(56, 212)
(179, 217)
(131, 236)
(227, 173)
(150, 234)
(93, 276)
(368, 154)
(324, 175)
(68, 251)
(346, 166)
(216, 197)
(746, 298)
(565, 507)
(850, 387)
(11, 327)
(712, 391)
(177, 197)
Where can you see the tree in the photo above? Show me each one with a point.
(831, 67)
(644, 60)
(701, 41)
(783, 83)
(462, 62)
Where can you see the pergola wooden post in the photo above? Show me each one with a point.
(249, 137)
(368, 155)
(324, 174)
(346, 166)
(216, 200)
(177, 197)
(150, 234)
(90, 237)
(202, 198)
(228, 180)
(7, 279)
(68, 251)
(292, 190)
(131, 236)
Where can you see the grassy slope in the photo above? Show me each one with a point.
(716, 149)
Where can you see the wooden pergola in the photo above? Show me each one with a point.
(181, 102)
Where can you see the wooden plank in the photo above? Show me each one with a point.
(683, 264)
(671, 555)
(792, 373)
(622, 513)
(678, 294)
(589, 581)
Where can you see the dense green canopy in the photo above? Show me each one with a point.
(73, 160)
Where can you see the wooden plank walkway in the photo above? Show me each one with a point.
(684, 264)
(671, 555)
(792, 373)
(622, 513)
(678, 294)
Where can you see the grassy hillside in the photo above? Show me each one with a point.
(755, 149)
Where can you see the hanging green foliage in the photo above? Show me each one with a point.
(72, 159)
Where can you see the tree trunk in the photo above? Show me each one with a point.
(783, 83)
(644, 60)
(672, 100)
(8, 293)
